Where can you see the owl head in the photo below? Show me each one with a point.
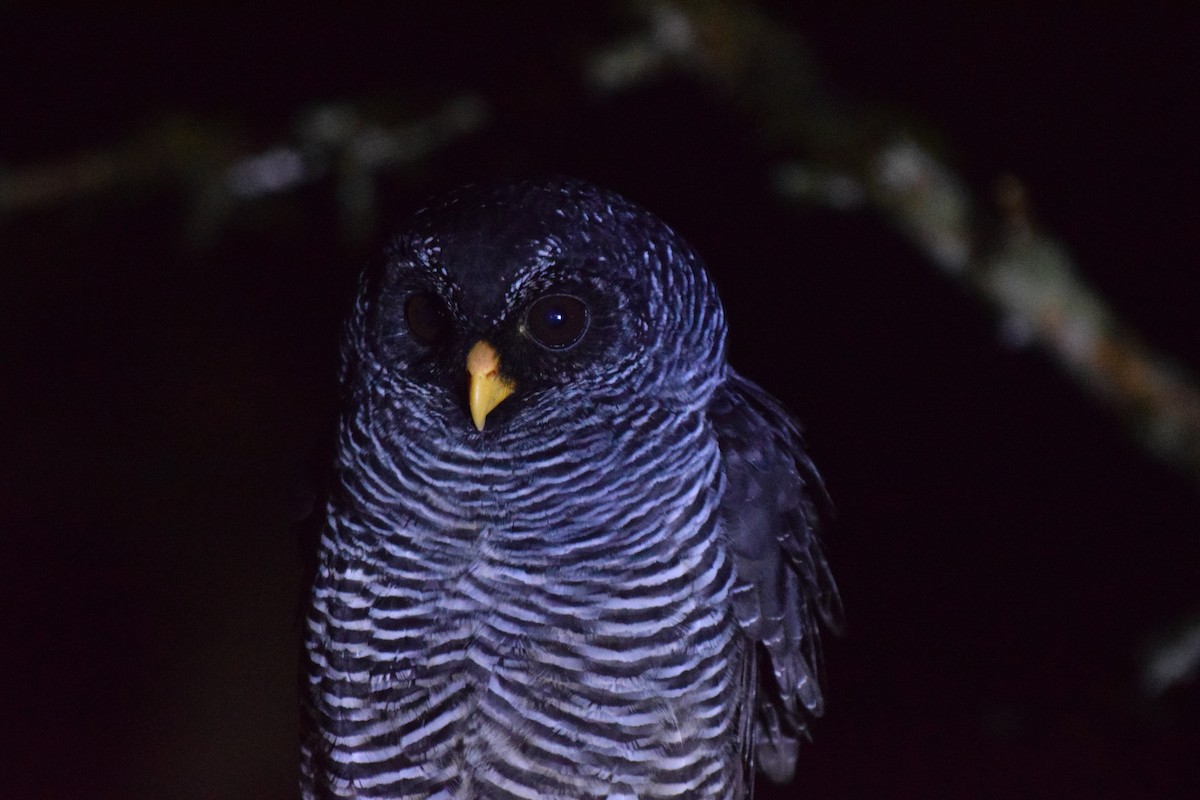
(527, 303)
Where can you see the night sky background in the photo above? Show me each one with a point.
(1007, 555)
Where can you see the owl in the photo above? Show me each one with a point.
(568, 552)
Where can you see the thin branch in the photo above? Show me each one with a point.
(219, 171)
(862, 157)
(1173, 662)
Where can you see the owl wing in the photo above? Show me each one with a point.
(771, 509)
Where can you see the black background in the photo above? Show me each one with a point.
(1007, 556)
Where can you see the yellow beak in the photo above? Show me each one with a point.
(487, 389)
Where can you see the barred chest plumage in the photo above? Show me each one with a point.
(480, 634)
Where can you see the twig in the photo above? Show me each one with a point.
(1174, 661)
(220, 171)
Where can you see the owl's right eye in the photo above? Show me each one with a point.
(427, 318)
(557, 321)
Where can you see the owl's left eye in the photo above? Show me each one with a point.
(427, 318)
(557, 321)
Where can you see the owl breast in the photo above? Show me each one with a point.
(572, 640)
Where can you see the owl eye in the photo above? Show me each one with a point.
(427, 318)
(557, 321)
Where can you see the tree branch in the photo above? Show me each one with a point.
(219, 171)
(862, 157)
(855, 157)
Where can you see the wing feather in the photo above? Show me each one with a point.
(772, 509)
